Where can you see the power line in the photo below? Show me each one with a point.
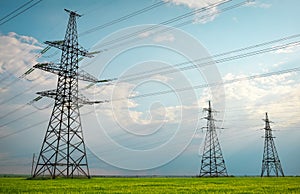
(125, 17)
(213, 84)
(24, 129)
(221, 54)
(211, 62)
(137, 38)
(168, 20)
(16, 10)
(19, 118)
(21, 12)
(194, 66)
(13, 111)
(172, 20)
(20, 94)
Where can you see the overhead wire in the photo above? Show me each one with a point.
(125, 17)
(142, 75)
(23, 129)
(23, 5)
(217, 61)
(20, 12)
(172, 20)
(213, 84)
(219, 54)
(190, 88)
(137, 38)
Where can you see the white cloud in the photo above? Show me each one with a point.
(17, 52)
(277, 94)
(200, 17)
(161, 78)
(193, 4)
(145, 34)
(290, 49)
(258, 4)
(278, 64)
(164, 38)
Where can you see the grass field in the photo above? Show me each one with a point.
(153, 185)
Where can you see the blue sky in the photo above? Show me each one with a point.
(160, 134)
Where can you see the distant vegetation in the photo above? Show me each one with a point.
(152, 185)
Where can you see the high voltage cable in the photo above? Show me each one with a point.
(135, 13)
(24, 116)
(13, 111)
(23, 129)
(21, 12)
(154, 5)
(19, 118)
(222, 60)
(7, 100)
(233, 109)
(193, 66)
(180, 90)
(216, 55)
(134, 34)
(16, 10)
(171, 28)
(27, 128)
(212, 84)
(220, 54)
(23, 74)
(145, 9)
(169, 20)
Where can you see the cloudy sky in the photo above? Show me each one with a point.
(170, 58)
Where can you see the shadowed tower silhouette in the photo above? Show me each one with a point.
(212, 163)
(270, 162)
(63, 151)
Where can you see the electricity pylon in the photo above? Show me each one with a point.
(270, 160)
(63, 151)
(212, 163)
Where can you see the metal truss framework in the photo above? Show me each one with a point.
(63, 151)
(270, 162)
(212, 163)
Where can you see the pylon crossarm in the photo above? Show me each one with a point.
(84, 100)
(48, 93)
(60, 44)
(85, 76)
(82, 75)
(93, 102)
(49, 67)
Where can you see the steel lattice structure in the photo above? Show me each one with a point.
(63, 151)
(212, 163)
(270, 160)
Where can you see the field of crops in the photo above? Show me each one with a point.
(153, 185)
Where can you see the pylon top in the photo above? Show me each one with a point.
(72, 13)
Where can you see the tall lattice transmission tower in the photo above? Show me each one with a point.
(270, 160)
(63, 151)
(212, 163)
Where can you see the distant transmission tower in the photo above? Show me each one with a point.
(270, 160)
(63, 151)
(212, 163)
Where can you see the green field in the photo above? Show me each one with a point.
(153, 185)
